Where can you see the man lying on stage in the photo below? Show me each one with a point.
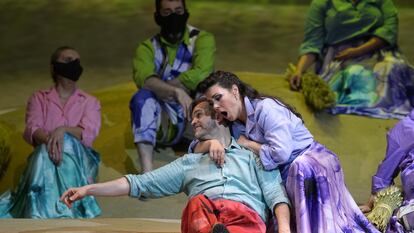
(233, 198)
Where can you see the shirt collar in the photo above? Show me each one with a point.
(249, 107)
(233, 144)
(185, 39)
(53, 95)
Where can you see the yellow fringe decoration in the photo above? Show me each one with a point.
(385, 202)
(318, 95)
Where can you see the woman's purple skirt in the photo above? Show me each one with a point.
(322, 203)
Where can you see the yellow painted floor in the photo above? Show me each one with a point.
(107, 225)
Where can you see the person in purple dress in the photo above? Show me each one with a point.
(399, 159)
(275, 131)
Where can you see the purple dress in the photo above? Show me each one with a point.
(398, 159)
(312, 174)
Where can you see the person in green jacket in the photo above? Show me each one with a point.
(354, 46)
(166, 69)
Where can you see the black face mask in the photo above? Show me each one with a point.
(172, 26)
(71, 70)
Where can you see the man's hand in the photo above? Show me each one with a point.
(184, 100)
(347, 54)
(55, 145)
(73, 194)
(177, 83)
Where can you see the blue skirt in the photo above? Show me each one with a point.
(379, 85)
(42, 184)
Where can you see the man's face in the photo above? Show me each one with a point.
(203, 124)
(171, 6)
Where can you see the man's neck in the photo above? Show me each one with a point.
(222, 134)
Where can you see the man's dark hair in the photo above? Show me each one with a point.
(208, 109)
(158, 4)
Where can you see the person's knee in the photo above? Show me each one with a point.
(139, 98)
(301, 165)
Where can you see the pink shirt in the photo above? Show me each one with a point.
(45, 111)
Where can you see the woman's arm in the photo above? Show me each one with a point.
(40, 136)
(275, 123)
(249, 144)
(214, 148)
(55, 141)
(313, 41)
(371, 45)
(34, 133)
(90, 122)
(305, 61)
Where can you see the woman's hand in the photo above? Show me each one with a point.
(73, 194)
(55, 145)
(295, 81)
(367, 207)
(216, 152)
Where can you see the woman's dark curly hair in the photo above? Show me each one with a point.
(228, 79)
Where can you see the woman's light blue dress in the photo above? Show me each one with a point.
(42, 183)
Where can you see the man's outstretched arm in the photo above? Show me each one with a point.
(118, 187)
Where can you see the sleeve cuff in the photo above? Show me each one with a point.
(285, 201)
(28, 135)
(86, 140)
(310, 50)
(382, 33)
(192, 146)
(133, 185)
(379, 183)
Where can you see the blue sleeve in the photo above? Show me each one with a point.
(164, 181)
(271, 184)
(400, 141)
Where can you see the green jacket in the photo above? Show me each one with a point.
(334, 21)
(202, 64)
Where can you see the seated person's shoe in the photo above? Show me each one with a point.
(219, 228)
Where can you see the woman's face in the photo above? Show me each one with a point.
(66, 56)
(227, 103)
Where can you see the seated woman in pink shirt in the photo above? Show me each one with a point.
(61, 124)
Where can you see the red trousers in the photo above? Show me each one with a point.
(202, 213)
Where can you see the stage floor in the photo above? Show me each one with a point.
(124, 225)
